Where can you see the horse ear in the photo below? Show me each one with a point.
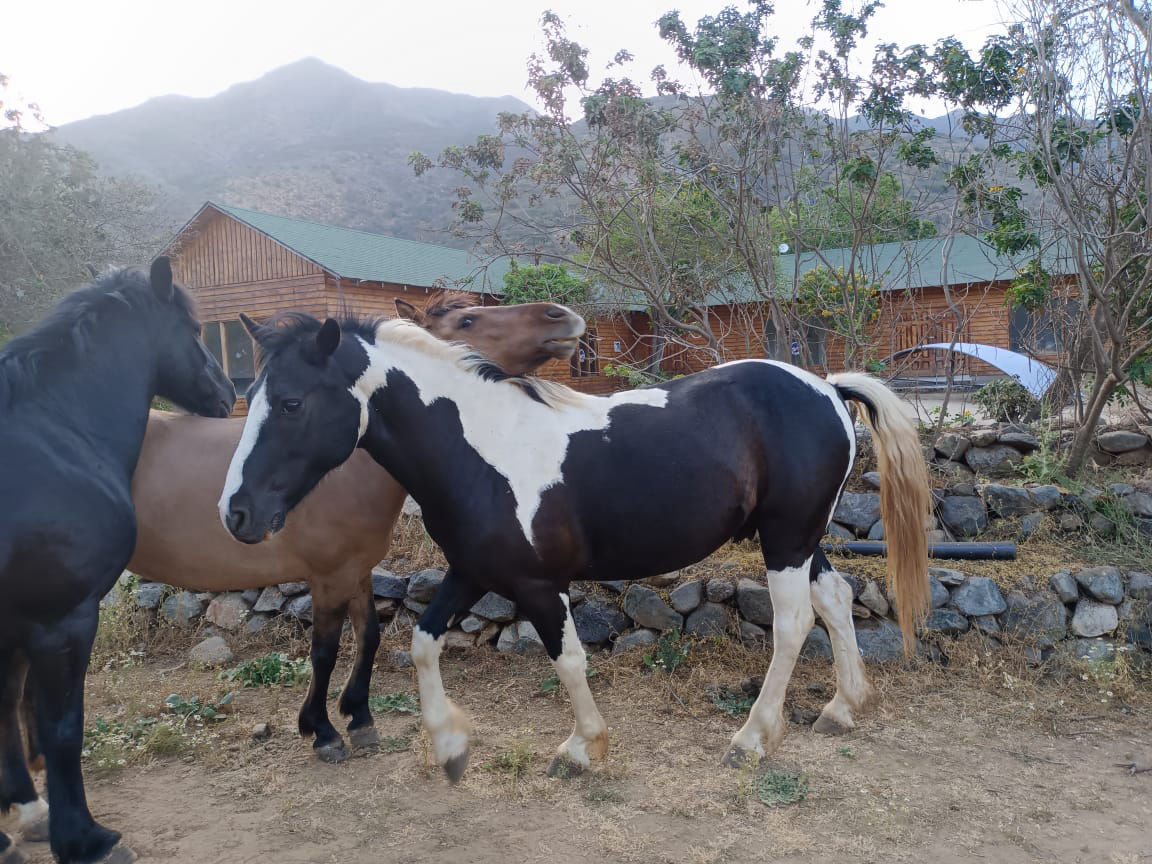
(251, 326)
(161, 277)
(328, 337)
(406, 310)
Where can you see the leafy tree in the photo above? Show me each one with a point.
(59, 216)
(549, 283)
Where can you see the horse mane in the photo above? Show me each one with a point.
(442, 302)
(64, 338)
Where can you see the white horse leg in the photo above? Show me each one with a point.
(589, 738)
(446, 724)
(832, 597)
(792, 618)
(33, 821)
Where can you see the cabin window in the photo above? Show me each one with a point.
(1041, 331)
(816, 337)
(231, 345)
(584, 360)
(812, 337)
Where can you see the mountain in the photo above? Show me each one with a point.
(306, 140)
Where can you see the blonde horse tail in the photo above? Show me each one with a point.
(905, 497)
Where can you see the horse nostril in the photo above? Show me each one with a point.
(556, 313)
(237, 519)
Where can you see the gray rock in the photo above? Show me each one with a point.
(576, 596)
(964, 490)
(720, 590)
(946, 621)
(1065, 586)
(999, 460)
(256, 622)
(838, 532)
(1138, 503)
(685, 598)
(1101, 525)
(1047, 497)
(1070, 523)
(1023, 441)
(387, 585)
(947, 576)
(1102, 583)
(472, 624)
(872, 597)
(261, 731)
(979, 595)
(411, 508)
(385, 607)
(400, 659)
(854, 582)
(955, 470)
(183, 608)
(1139, 629)
(415, 605)
(227, 612)
(292, 589)
(617, 585)
(1121, 489)
(458, 640)
(1121, 441)
(1139, 585)
(149, 595)
(1092, 650)
(1030, 523)
(495, 608)
(876, 532)
(528, 641)
(962, 516)
(879, 641)
(648, 609)
(952, 446)
(300, 608)
(817, 645)
(858, 510)
(250, 596)
(1124, 611)
(755, 602)
(750, 632)
(507, 639)
(1007, 500)
(939, 594)
(710, 619)
(1041, 621)
(986, 624)
(212, 652)
(634, 639)
(422, 587)
(1093, 618)
(984, 437)
(270, 600)
(872, 479)
(598, 621)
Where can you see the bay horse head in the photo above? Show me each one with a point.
(519, 339)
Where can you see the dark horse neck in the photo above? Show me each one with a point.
(103, 393)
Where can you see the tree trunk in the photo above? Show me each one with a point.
(1087, 431)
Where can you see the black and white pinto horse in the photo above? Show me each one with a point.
(528, 486)
(74, 399)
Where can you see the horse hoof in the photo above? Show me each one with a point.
(12, 855)
(737, 757)
(365, 736)
(333, 753)
(35, 831)
(454, 768)
(825, 725)
(120, 854)
(563, 767)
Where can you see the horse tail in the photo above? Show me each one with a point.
(905, 497)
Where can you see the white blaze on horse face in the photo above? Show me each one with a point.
(522, 439)
(257, 414)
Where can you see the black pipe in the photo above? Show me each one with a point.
(957, 551)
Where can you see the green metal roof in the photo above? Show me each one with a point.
(352, 254)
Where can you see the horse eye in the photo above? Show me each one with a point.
(466, 322)
(290, 406)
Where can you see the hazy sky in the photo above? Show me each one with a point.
(79, 58)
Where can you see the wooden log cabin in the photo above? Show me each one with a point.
(238, 260)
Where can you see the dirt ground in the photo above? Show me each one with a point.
(983, 760)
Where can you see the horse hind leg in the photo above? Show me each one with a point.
(16, 786)
(792, 619)
(354, 699)
(832, 599)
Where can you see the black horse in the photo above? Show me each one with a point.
(528, 486)
(74, 399)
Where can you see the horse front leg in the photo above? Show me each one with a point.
(792, 619)
(354, 699)
(551, 615)
(832, 598)
(447, 726)
(16, 786)
(328, 614)
(59, 659)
